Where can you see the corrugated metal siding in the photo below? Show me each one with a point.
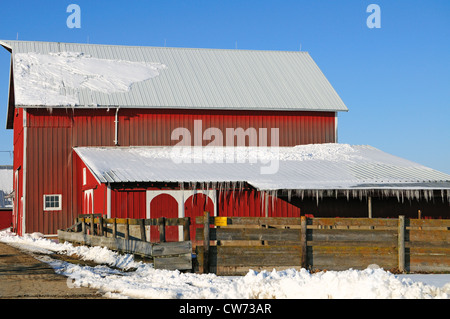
(128, 204)
(51, 137)
(5, 219)
(49, 171)
(154, 127)
(208, 78)
(253, 203)
(18, 166)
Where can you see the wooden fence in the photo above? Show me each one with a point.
(237, 244)
(130, 236)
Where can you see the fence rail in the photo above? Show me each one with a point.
(130, 236)
(403, 245)
(233, 245)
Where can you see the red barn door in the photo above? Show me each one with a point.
(88, 201)
(195, 206)
(164, 205)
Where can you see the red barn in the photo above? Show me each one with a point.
(69, 100)
(6, 185)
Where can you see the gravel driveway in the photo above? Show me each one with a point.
(22, 276)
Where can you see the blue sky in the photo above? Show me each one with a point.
(395, 80)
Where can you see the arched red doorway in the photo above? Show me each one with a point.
(88, 201)
(195, 206)
(164, 205)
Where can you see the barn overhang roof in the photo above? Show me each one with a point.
(305, 168)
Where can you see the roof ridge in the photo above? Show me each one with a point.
(150, 46)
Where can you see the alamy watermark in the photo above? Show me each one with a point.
(374, 19)
(190, 147)
(74, 19)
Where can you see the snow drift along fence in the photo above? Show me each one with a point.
(130, 236)
(237, 244)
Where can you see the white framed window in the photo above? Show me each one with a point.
(52, 202)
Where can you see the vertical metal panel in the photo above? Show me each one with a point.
(18, 170)
(49, 172)
(251, 203)
(154, 127)
(128, 203)
(52, 136)
(5, 218)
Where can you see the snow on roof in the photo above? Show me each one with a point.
(55, 74)
(53, 79)
(305, 167)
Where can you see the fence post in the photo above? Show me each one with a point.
(304, 260)
(186, 232)
(83, 226)
(206, 242)
(78, 227)
(92, 225)
(100, 225)
(401, 243)
(162, 229)
(127, 229)
(114, 230)
(142, 229)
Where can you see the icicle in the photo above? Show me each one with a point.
(317, 197)
(273, 193)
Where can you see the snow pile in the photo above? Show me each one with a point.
(146, 282)
(54, 79)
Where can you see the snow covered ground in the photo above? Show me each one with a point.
(120, 276)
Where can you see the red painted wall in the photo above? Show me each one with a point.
(128, 203)
(52, 134)
(5, 219)
(18, 167)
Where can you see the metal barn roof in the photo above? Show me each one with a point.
(304, 167)
(83, 75)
